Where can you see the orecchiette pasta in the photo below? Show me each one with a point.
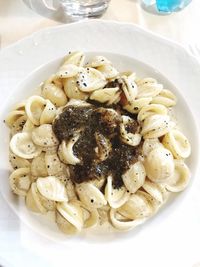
(98, 146)
(20, 181)
(159, 165)
(22, 145)
(134, 178)
(115, 197)
(177, 143)
(156, 126)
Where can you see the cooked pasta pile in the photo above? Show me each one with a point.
(136, 150)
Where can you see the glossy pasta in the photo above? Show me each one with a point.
(132, 156)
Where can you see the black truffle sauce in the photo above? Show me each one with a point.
(91, 119)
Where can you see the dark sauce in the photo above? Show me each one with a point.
(92, 119)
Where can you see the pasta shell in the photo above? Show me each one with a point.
(53, 164)
(33, 200)
(72, 91)
(70, 188)
(129, 138)
(22, 145)
(13, 116)
(98, 61)
(76, 58)
(166, 98)
(66, 153)
(149, 145)
(20, 181)
(134, 177)
(18, 125)
(180, 180)
(137, 104)
(156, 126)
(155, 190)
(90, 195)
(52, 188)
(177, 143)
(18, 162)
(55, 94)
(73, 217)
(28, 126)
(105, 95)
(20, 105)
(149, 88)
(150, 110)
(91, 218)
(115, 197)
(48, 114)
(159, 165)
(44, 136)
(90, 79)
(129, 88)
(123, 224)
(137, 207)
(34, 108)
(108, 71)
(67, 71)
(38, 166)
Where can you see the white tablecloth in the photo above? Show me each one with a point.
(18, 21)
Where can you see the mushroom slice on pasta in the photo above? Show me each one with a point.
(69, 217)
(115, 197)
(76, 58)
(179, 181)
(159, 165)
(177, 143)
(38, 166)
(134, 177)
(53, 165)
(22, 145)
(33, 200)
(52, 188)
(72, 91)
(55, 94)
(98, 61)
(150, 110)
(20, 181)
(90, 79)
(166, 98)
(148, 87)
(149, 145)
(132, 139)
(129, 88)
(105, 95)
(108, 71)
(67, 71)
(104, 146)
(122, 223)
(17, 162)
(157, 191)
(66, 153)
(90, 195)
(136, 105)
(156, 126)
(34, 108)
(13, 116)
(44, 136)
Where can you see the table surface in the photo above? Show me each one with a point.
(18, 21)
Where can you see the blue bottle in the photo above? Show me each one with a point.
(167, 6)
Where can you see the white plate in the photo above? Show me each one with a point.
(175, 63)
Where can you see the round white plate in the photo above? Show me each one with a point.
(157, 242)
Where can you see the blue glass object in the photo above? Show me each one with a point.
(167, 6)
